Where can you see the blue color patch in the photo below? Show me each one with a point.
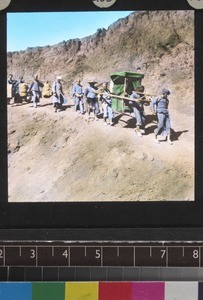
(17, 291)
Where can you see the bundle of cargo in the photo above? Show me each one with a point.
(23, 88)
(47, 90)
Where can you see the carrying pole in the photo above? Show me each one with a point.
(124, 90)
(126, 98)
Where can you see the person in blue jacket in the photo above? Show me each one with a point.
(138, 109)
(106, 100)
(91, 100)
(160, 106)
(57, 94)
(78, 96)
(35, 89)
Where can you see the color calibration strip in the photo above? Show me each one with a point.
(102, 291)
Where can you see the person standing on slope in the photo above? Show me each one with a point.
(160, 107)
(11, 88)
(35, 89)
(91, 100)
(58, 95)
(106, 100)
(77, 93)
(138, 109)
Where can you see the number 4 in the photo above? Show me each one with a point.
(65, 253)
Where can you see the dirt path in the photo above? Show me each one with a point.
(62, 157)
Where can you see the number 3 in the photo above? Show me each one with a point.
(32, 253)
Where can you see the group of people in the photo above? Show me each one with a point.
(96, 98)
(159, 106)
(20, 91)
(16, 89)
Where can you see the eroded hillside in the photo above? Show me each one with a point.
(159, 43)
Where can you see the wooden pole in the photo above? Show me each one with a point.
(126, 98)
(124, 91)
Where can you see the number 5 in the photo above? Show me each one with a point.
(98, 254)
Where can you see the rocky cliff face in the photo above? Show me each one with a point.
(159, 43)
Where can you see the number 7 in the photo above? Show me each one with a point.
(163, 252)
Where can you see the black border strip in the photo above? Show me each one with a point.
(162, 235)
(85, 5)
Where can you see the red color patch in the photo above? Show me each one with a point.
(115, 290)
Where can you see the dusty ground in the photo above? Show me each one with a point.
(62, 157)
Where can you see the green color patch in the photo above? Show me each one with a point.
(117, 105)
(125, 82)
(48, 291)
(123, 85)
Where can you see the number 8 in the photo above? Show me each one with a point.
(195, 254)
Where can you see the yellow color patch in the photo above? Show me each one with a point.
(82, 291)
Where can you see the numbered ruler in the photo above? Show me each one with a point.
(101, 254)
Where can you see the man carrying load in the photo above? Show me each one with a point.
(91, 100)
(11, 88)
(106, 105)
(35, 89)
(138, 109)
(160, 107)
(77, 93)
(58, 95)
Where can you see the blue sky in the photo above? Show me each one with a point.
(42, 29)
